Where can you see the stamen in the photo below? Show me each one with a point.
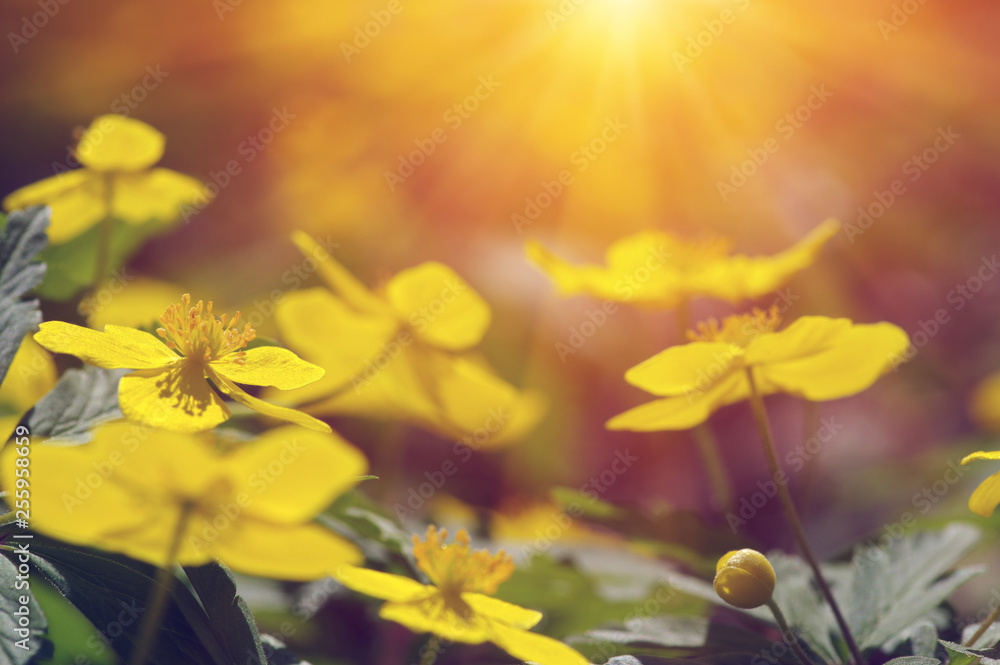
(195, 333)
(455, 569)
(739, 329)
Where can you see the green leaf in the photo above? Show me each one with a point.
(914, 660)
(232, 624)
(667, 631)
(963, 655)
(72, 264)
(23, 238)
(358, 519)
(12, 612)
(894, 586)
(80, 400)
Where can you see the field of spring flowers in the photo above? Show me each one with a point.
(621, 332)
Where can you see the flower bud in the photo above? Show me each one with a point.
(744, 579)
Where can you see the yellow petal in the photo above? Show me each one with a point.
(683, 411)
(985, 403)
(285, 552)
(75, 197)
(684, 369)
(268, 366)
(498, 610)
(116, 347)
(293, 473)
(31, 374)
(260, 406)
(345, 343)
(433, 616)
(740, 277)
(570, 280)
(806, 336)
(338, 278)
(117, 143)
(381, 585)
(157, 194)
(177, 398)
(535, 648)
(985, 498)
(989, 454)
(853, 363)
(440, 307)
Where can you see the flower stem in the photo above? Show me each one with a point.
(160, 594)
(104, 242)
(707, 446)
(787, 633)
(767, 438)
(990, 620)
(431, 651)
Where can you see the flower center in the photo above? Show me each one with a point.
(455, 569)
(195, 333)
(739, 329)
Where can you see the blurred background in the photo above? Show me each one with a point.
(407, 131)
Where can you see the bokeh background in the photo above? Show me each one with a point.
(322, 105)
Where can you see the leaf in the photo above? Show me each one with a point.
(360, 520)
(988, 639)
(112, 591)
(80, 400)
(23, 238)
(666, 631)
(894, 586)
(232, 624)
(72, 264)
(12, 610)
(278, 653)
(914, 660)
(962, 655)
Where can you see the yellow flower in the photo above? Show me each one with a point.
(744, 578)
(985, 404)
(817, 358)
(30, 376)
(458, 604)
(403, 353)
(250, 507)
(986, 497)
(657, 269)
(170, 388)
(117, 154)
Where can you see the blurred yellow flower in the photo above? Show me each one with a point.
(170, 388)
(657, 269)
(139, 491)
(30, 376)
(817, 358)
(986, 497)
(985, 403)
(458, 604)
(403, 353)
(117, 154)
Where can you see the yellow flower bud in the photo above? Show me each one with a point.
(744, 579)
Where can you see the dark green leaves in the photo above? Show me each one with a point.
(23, 238)
(80, 400)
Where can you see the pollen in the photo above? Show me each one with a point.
(195, 333)
(739, 329)
(456, 569)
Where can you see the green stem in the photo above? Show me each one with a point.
(767, 438)
(787, 633)
(104, 242)
(990, 620)
(160, 594)
(708, 447)
(431, 650)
